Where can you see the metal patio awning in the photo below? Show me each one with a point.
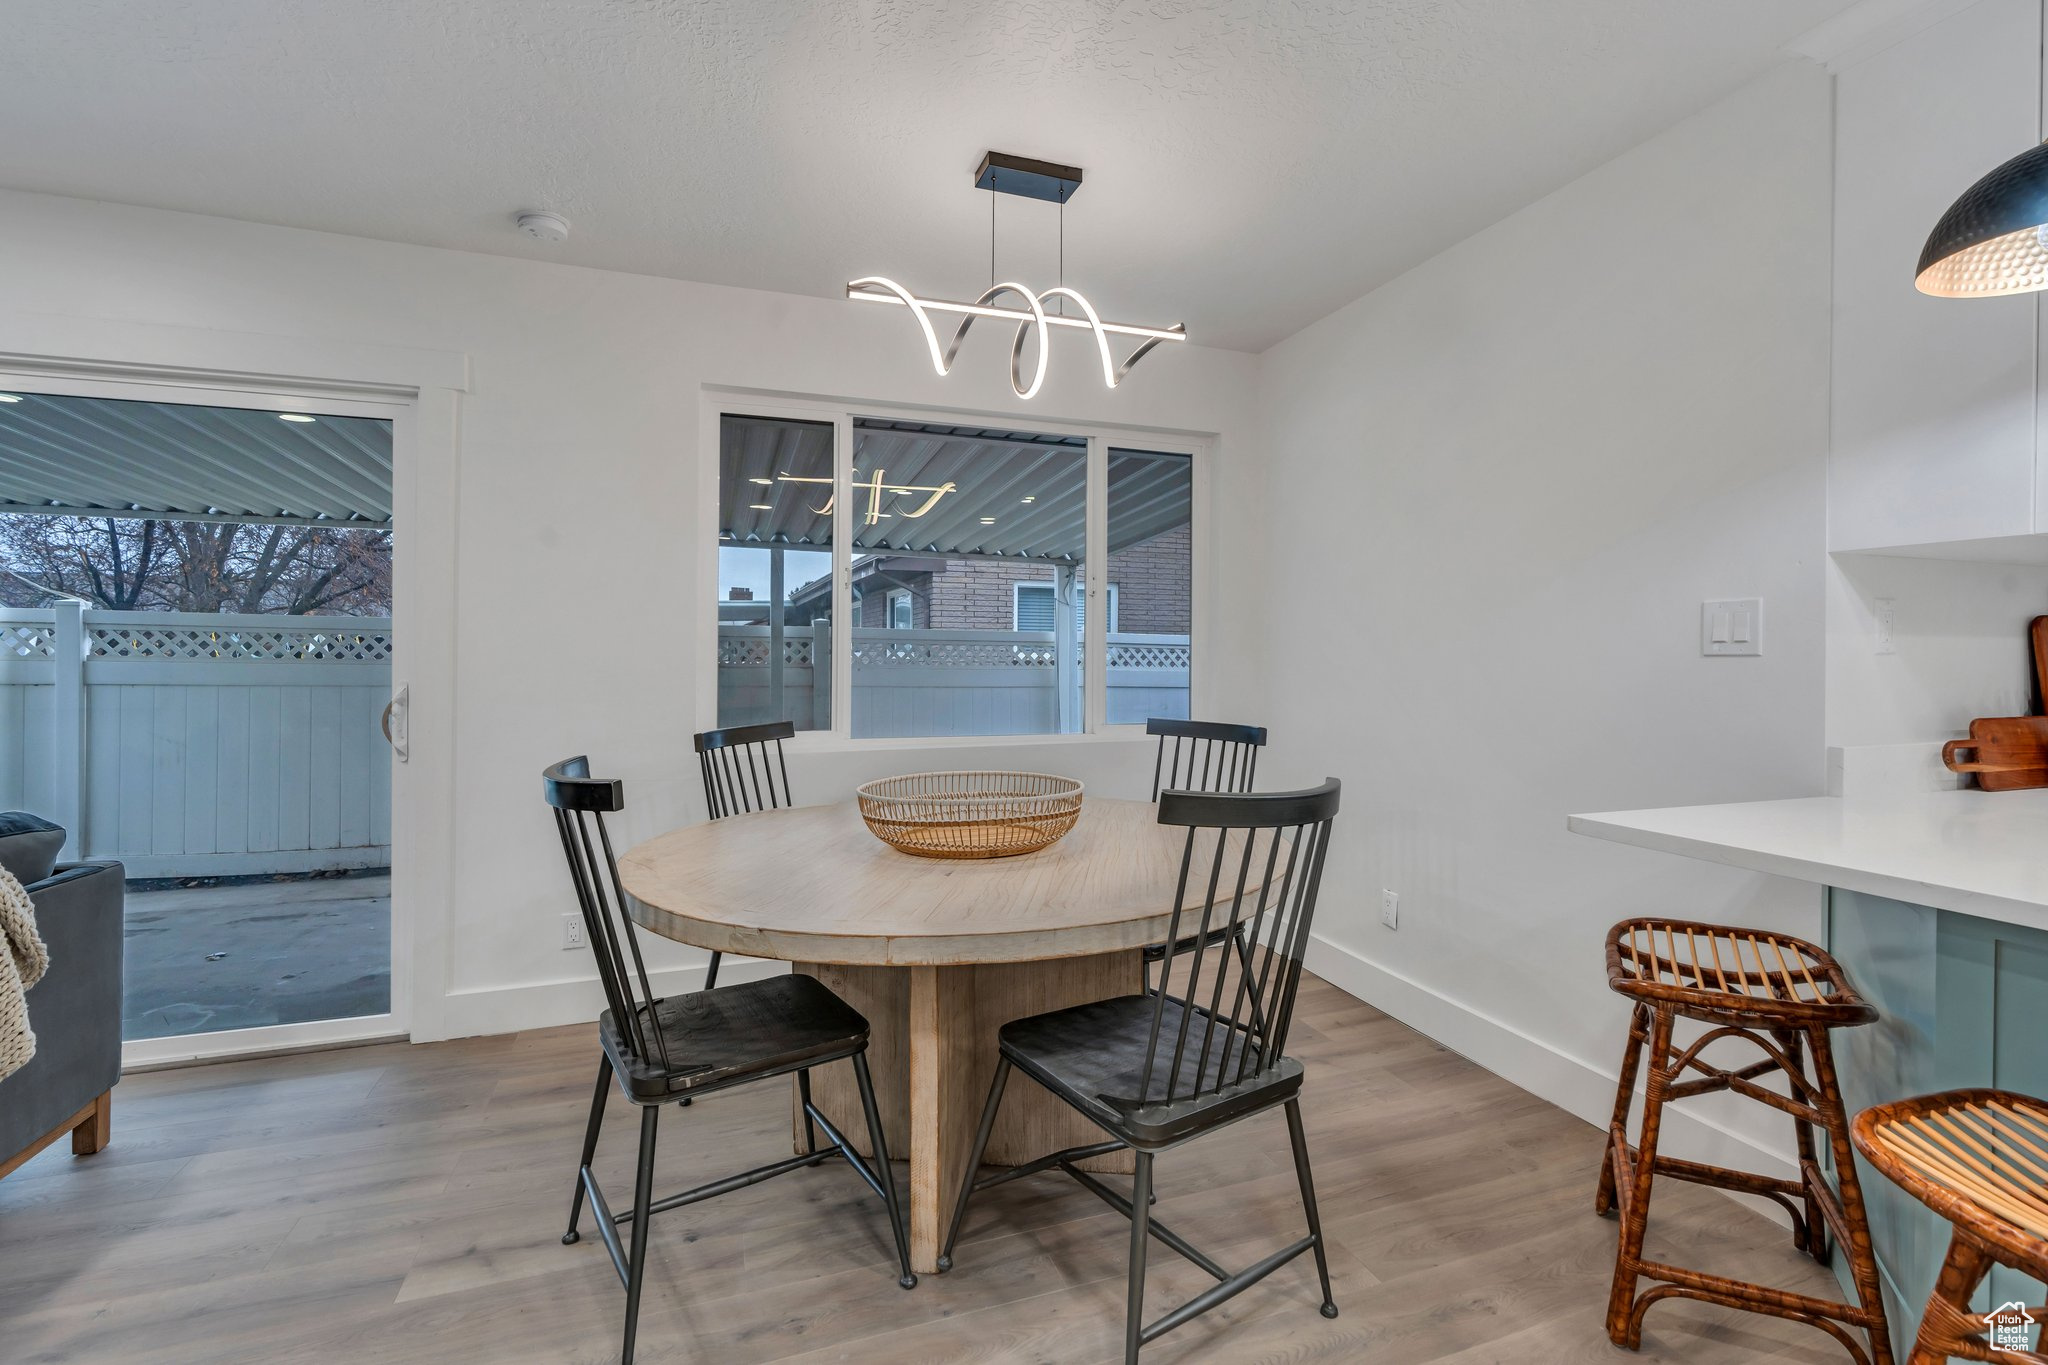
(74, 456)
(775, 490)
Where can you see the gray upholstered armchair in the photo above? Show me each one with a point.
(75, 1010)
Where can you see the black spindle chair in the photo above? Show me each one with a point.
(664, 1050)
(1207, 756)
(740, 776)
(1157, 1070)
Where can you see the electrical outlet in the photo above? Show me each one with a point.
(1887, 625)
(572, 933)
(1390, 909)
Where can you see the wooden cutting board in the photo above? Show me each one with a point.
(2004, 753)
(2037, 633)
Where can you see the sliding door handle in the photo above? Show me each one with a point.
(396, 723)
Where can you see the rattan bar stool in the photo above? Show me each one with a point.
(1782, 995)
(1979, 1158)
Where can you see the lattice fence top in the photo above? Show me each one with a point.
(27, 641)
(951, 654)
(907, 650)
(757, 650)
(333, 642)
(1148, 656)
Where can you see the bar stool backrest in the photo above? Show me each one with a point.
(1280, 838)
(580, 803)
(1219, 757)
(739, 771)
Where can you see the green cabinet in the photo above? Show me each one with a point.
(1964, 1003)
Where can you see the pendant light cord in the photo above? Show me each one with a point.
(1063, 244)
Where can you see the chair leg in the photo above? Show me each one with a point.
(803, 1095)
(988, 1121)
(1623, 1327)
(885, 1174)
(1624, 1096)
(604, 1081)
(1141, 1235)
(1849, 1187)
(1948, 1317)
(1299, 1139)
(643, 1196)
(1815, 1240)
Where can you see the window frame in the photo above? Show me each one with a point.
(718, 402)
(889, 601)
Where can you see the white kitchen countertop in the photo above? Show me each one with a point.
(1980, 853)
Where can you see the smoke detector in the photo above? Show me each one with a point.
(544, 227)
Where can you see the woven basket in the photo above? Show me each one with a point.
(970, 815)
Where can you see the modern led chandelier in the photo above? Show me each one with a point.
(1004, 174)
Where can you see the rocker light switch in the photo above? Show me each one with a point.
(1732, 627)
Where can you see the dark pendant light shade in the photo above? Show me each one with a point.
(1990, 241)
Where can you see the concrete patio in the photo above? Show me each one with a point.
(249, 952)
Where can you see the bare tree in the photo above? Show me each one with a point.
(111, 562)
(148, 564)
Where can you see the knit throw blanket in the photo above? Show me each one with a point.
(22, 964)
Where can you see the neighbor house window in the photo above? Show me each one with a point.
(1033, 608)
(968, 559)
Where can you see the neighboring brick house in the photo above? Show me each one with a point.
(1149, 582)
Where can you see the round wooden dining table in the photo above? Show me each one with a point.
(937, 953)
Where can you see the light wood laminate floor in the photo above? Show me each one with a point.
(403, 1203)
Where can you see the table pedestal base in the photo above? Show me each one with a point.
(932, 1049)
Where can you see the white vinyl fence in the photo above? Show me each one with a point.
(190, 744)
(922, 683)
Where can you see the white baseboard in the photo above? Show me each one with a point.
(572, 1000)
(297, 860)
(1578, 1087)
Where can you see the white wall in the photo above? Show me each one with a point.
(1512, 475)
(1959, 641)
(578, 481)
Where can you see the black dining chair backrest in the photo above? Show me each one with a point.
(581, 803)
(740, 771)
(1218, 757)
(1279, 841)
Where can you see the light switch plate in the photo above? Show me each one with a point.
(1732, 626)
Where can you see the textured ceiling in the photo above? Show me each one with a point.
(1251, 164)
